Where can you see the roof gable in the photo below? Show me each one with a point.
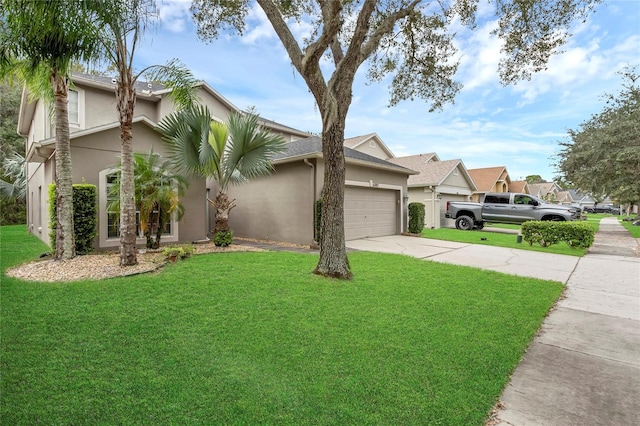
(486, 178)
(432, 172)
(371, 138)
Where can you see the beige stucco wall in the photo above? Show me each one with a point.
(94, 154)
(278, 207)
(375, 151)
(281, 207)
(38, 177)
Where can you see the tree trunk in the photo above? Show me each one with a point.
(159, 228)
(126, 99)
(333, 260)
(223, 207)
(65, 240)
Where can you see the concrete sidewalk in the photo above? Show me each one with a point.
(584, 366)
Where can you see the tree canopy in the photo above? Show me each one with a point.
(409, 40)
(602, 156)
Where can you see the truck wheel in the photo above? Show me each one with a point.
(464, 223)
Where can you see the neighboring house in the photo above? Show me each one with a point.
(436, 183)
(564, 197)
(490, 179)
(579, 198)
(95, 150)
(370, 144)
(519, 186)
(545, 190)
(281, 206)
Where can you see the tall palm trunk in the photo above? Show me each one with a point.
(65, 243)
(126, 100)
(222, 206)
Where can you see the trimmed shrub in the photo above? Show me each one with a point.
(546, 233)
(223, 238)
(85, 216)
(318, 219)
(416, 218)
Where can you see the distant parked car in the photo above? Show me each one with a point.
(602, 209)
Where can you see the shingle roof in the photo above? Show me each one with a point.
(351, 142)
(415, 162)
(486, 178)
(518, 186)
(542, 189)
(139, 86)
(431, 172)
(312, 146)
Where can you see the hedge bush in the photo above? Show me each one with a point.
(223, 238)
(546, 233)
(416, 218)
(85, 216)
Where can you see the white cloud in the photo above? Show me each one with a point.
(174, 14)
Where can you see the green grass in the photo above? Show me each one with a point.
(497, 239)
(255, 338)
(633, 230)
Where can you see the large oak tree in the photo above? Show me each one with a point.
(408, 39)
(602, 156)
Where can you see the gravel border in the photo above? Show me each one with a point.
(103, 266)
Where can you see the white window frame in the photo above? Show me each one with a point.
(106, 242)
(80, 124)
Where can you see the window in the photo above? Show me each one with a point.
(113, 222)
(497, 199)
(74, 107)
(372, 144)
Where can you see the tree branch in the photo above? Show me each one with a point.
(385, 28)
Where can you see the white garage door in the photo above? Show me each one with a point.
(370, 212)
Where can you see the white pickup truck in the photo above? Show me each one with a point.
(507, 207)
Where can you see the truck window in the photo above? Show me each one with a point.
(497, 199)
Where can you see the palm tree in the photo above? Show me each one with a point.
(38, 41)
(228, 153)
(15, 187)
(124, 23)
(157, 194)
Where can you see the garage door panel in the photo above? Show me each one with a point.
(370, 212)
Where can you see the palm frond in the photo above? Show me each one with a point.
(251, 147)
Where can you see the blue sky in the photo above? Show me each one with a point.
(488, 125)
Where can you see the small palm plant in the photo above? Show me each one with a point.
(157, 194)
(233, 152)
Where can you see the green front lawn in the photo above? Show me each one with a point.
(496, 239)
(255, 338)
(634, 230)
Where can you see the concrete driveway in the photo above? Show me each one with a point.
(510, 261)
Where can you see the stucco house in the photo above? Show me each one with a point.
(436, 183)
(95, 149)
(545, 190)
(281, 206)
(490, 179)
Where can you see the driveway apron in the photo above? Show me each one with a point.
(583, 368)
